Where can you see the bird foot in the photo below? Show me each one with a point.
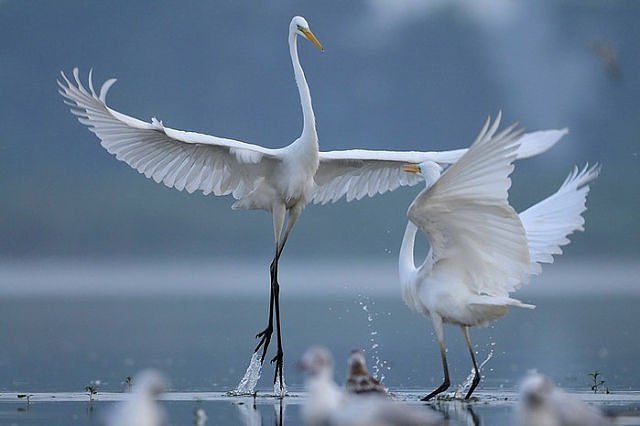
(443, 387)
(278, 360)
(265, 339)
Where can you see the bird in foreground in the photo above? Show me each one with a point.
(281, 181)
(329, 405)
(543, 404)
(480, 248)
(141, 407)
(359, 380)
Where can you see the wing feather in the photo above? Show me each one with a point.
(468, 220)
(549, 222)
(182, 160)
(343, 173)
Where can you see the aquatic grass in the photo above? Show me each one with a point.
(129, 382)
(92, 389)
(598, 384)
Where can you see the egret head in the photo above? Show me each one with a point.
(429, 170)
(317, 361)
(300, 27)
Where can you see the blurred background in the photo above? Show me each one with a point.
(409, 75)
(397, 75)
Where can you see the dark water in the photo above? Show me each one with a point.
(204, 344)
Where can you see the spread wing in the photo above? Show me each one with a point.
(549, 223)
(357, 173)
(468, 220)
(178, 159)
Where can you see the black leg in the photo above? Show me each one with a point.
(279, 358)
(265, 335)
(275, 291)
(445, 385)
(476, 374)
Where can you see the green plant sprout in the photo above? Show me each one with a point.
(91, 389)
(597, 383)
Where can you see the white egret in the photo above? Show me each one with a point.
(329, 405)
(141, 407)
(359, 380)
(281, 181)
(542, 403)
(480, 248)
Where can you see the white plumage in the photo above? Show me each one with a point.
(543, 404)
(481, 249)
(329, 405)
(358, 173)
(549, 222)
(281, 181)
(141, 408)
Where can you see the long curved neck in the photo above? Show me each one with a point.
(406, 263)
(309, 123)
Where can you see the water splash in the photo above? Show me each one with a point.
(379, 365)
(247, 385)
(280, 391)
(462, 388)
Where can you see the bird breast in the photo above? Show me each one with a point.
(295, 178)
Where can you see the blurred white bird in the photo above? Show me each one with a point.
(543, 404)
(141, 407)
(328, 405)
(359, 380)
(281, 181)
(480, 248)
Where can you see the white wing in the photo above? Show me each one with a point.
(548, 223)
(181, 160)
(468, 220)
(358, 173)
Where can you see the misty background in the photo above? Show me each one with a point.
(397, 75)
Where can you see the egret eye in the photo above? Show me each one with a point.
(300, 28)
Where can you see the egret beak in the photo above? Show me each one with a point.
(312, 38)
(411, 168)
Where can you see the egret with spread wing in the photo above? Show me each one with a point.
(281, 181)
(481, 249)
(276, 180)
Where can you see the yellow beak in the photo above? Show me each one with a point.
(411, 168)
(312, 38)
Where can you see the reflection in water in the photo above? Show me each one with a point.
(248, 413)
(199, 415)
(279, 410)
(251, 416)
(461, 411)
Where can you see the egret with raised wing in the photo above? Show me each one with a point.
(480, 248)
